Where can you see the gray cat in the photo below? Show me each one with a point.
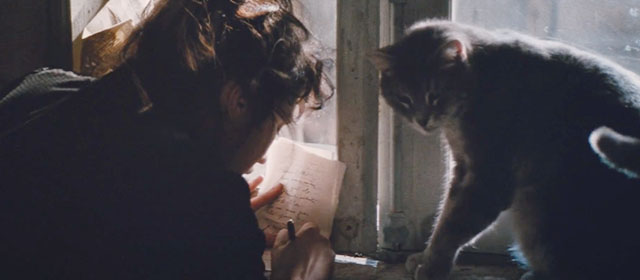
(521, 116)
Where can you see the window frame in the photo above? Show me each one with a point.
(354, 228)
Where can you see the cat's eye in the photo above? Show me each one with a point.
(405, 100)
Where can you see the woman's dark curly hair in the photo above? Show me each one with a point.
(193, 47)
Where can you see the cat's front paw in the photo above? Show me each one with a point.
(423, 268)
(413, 261)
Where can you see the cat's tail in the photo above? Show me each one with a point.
(618, 151)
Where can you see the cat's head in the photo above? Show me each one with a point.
(424, 76)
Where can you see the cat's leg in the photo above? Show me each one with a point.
(532, 275)
(473, 202)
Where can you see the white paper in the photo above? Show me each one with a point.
(311, 187)
(116, 12)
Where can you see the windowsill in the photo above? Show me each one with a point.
(471, 266)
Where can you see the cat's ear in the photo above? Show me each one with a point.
(453, 52)
(381, 59)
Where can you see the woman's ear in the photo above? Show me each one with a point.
(234, 102)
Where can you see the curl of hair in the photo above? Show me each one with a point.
(259, 44)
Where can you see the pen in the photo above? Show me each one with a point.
(291, 230)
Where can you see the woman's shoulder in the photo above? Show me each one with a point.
(44, 81)
(39, 89)
(33, 93)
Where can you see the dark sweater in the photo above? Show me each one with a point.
(92, 189)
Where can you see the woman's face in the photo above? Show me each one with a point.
(241, 141)
(252, 148)
(244, 141)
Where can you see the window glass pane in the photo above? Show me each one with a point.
(319, 126)
(607, 27)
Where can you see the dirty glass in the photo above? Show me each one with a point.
(318, 127)
(607, 27)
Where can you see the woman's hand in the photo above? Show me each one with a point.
(263, 199)
(309, 256)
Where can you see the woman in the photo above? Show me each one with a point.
(136, 174)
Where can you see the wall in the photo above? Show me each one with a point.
(34, 34)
